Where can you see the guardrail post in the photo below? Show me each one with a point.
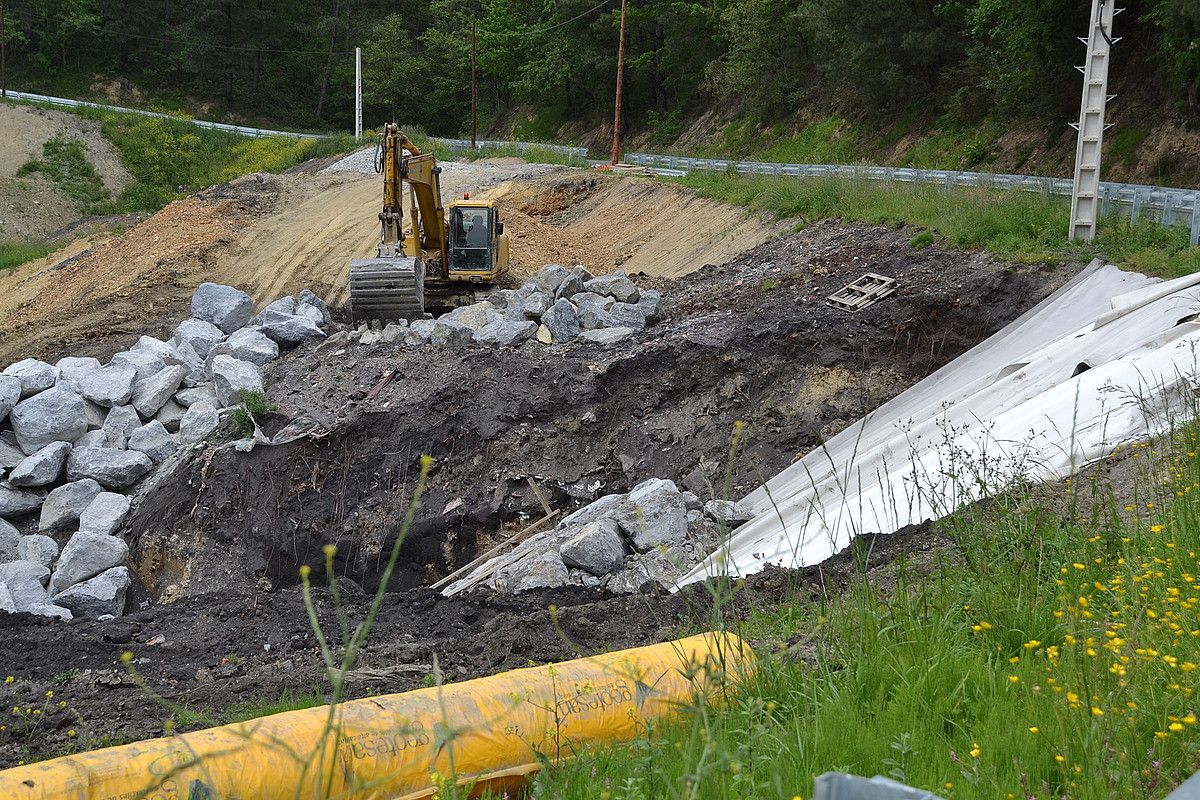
(1136, 211)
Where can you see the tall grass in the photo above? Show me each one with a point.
(1053, 651)
(16, 253)
(1020, 225)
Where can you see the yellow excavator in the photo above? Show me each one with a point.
(443, 260)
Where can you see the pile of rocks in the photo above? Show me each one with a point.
(624, 543)
(79, 434)
(556, 306)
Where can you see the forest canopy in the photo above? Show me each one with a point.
(290, 61)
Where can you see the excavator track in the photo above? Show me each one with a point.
(387, 289)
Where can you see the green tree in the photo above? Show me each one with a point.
(767, 55)
(1179, 48)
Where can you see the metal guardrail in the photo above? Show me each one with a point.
(521, 147)
(1164, 205)
(216, 126)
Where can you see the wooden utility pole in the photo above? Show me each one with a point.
(474, 118)
(616, 148)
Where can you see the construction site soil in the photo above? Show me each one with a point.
(222, 533)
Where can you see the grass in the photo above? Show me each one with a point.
(1052, 652)
(16, 253)
(64, 162)
(1020, 225)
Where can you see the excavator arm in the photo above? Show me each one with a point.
(427, 237)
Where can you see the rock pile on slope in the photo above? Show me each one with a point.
(556, 306)
(624, 543)
(78, 434)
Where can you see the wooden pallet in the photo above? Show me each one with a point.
(867, 290)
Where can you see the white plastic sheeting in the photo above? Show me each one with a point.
(1107, 359)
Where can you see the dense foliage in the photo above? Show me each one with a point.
(291, 61)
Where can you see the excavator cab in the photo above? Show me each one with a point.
(476, 236)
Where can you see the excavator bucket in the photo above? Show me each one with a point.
(387, 289)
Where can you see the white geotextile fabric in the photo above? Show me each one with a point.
(1106, 359)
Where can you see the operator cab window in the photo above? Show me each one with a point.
(472, 241)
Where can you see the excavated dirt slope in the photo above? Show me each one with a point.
(226, 531)
(274, 235)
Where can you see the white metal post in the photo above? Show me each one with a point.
(1085, 197)
(358, 93)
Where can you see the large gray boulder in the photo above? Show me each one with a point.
(506, 332)
(35, 376)
(727, 512)
(574, 282)
(170, 415)
(55, 415)
(310, 313)
(251, 344)
(192, 362)
(38, 548)
(10, 454)
(10, 541)
(626, 315)
(97, 597)
(101, 438)
(654, 515)
(120, 423)
(544, 570)
(233, 376)
(549, 278)
(419, 332)
(603, 508)
(308, 297)
(63, 505)
(25, 569)
(28, 595)
(198, 423)
(606, 337)
(156, 347)
(276, 311)
(16, 502)
(152, 392)
(562, 320)
(591, 298)
(107, 386)
(293, 330)
(650, 303)
(95, 414)
(43, 467)
(8, 603)
(615, 285)
(105, 513)
(154, 440)
(451, 333)
(474, 316)
(199, 334)
(112, 469)
(86, 556)
(224, 306)
(197, 394)
(537, 304)
(596, 548)
(10, 394)
(593, 317)
(72, 368)
(143, 362)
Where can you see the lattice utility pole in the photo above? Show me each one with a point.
(1085, 197)
(358, 128)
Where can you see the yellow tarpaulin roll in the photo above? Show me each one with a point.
(487, 732)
